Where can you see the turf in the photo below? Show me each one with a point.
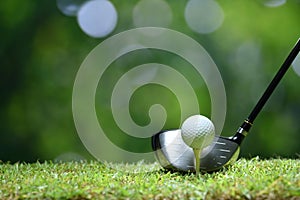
(246, 179)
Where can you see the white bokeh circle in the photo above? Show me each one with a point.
(274, 3)
(155, 13)
(97, 18)
(203, 16)
(83, 100)
(69, 7)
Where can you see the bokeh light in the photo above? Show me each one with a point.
(248, 57)
(248, 65)
(274, 3)
(154, 13)
(203, 16)
(97, 18)
(69, 7)
(296, 65)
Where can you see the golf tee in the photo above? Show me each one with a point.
(197, 153)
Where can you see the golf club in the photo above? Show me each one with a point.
(173, 154)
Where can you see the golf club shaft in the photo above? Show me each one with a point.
(245, 127)
(285, 66)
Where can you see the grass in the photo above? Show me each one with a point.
(246, 179)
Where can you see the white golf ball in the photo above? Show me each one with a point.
(197, 131)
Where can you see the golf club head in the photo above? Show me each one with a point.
(173, 154)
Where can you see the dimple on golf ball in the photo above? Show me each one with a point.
(197, 131)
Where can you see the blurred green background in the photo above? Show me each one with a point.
(42, 49)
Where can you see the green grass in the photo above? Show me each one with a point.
(246, 179)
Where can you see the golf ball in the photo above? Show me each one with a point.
(197, 131)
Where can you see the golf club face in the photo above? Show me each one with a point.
(173, 154)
